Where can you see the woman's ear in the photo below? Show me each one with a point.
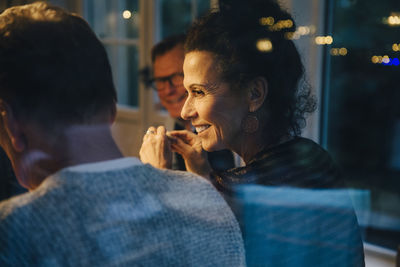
(12, 127)
(258, 92)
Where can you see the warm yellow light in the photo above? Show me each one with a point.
(270, 20)
(395, 47)
(323, 40)
(267, 21)
(328, 40)
(394, 20)
(126, 14)
(264, 45)
(375, 59)
(287, 23)
(303, 30)
(339, 51)
(334, 51)
(319, 40)
(279, 25)
(292, 36)
(289, 35)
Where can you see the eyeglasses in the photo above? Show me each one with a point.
(175, 79)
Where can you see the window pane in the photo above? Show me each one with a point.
(362, 116)
(113, 19)
(101, 17)
(128, 19)
(117, 24)
(177, 15)
(125, 61)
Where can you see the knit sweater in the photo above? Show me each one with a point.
(120, 213)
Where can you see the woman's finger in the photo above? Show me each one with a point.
(182, 133)
(171, 138)
(181, 147)
(161, 130)
(186, 136)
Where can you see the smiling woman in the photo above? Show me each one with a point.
(241, 97)
(242, 79)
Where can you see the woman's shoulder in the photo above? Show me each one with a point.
(296, 149)
(298, 162)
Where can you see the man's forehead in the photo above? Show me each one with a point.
(170, 62)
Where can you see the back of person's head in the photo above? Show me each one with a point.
(166, 45)
(53, 69)
(252, 39)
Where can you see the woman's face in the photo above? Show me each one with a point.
(212, 107)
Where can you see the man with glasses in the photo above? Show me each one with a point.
(167, 57)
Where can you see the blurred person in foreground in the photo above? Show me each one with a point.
(167, 57)
(87, 205)
(243, 74)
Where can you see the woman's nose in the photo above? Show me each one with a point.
(188, 111)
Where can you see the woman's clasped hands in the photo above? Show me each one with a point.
(158, 145)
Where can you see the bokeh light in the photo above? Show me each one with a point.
(126, 14)
(264, 45)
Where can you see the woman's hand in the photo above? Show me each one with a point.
(156, 148)
(189, 146)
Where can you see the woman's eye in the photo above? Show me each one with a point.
(197, 92)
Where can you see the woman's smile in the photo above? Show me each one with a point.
(201, 128)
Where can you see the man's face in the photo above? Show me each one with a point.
(171, 91)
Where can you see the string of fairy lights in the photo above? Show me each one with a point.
(265, 45)
(272, 24)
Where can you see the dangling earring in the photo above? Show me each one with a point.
(250, 124)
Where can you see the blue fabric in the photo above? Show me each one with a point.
(285, 226)
(281, 229)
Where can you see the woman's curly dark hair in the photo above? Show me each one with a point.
(232, 35)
